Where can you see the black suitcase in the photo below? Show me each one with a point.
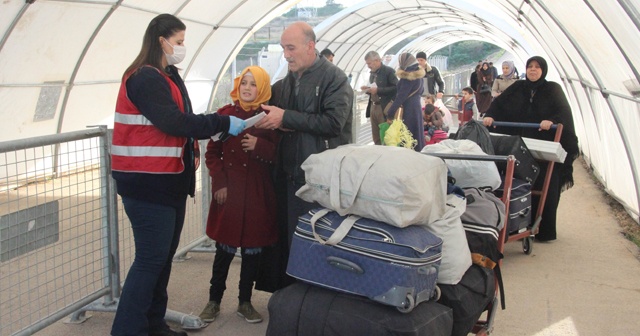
(469, 298)
(526, 167)
(520, 211)
(307, 310)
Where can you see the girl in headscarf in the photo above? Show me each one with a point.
(243, 209)
(410, 87)
(485, 77)
(505, 80)
(536, 100)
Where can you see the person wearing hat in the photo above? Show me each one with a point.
(328, 54)
(432, 76)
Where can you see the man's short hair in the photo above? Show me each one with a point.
(326, 53)
(372, 55)
(421, 54)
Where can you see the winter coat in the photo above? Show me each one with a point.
(386, 81)
(548, 103)
(319, 116)
(432, 78)
(501, 84)
(248, 217)
(410, 88)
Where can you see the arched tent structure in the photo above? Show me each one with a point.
(61, 61)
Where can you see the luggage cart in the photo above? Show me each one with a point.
(528, 235)
(484, 326)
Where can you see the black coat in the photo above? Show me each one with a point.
(320, 115)
(516, 104)
(387, 82)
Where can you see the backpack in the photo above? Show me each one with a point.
(482, 220)
(475, 131)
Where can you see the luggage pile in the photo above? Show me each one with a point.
(387, 254)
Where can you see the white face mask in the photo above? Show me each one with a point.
(179, 52)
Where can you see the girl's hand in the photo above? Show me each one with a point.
(249, 142)
(220, 195)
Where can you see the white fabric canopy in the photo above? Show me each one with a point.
(61, 61)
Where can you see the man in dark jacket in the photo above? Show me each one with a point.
(381, 93)
(312, 106)
(432, 76)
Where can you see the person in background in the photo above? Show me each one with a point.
(312, 106)
(485, 80)
(536, 100)
(447, 118)
(473, 78)
(243, 208)
(154, 158)
(382, 89)
(494, 70)
(410, 87)
(467, 106)
(508, 77)
(432, 76)
(328, 54)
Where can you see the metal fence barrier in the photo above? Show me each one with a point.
(65, 242)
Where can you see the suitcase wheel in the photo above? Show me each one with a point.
(408, 304)
(527, 245)
(436, 294)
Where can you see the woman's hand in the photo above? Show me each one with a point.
(220, 195)
(545, 125)
(249, 142)
(487, 121)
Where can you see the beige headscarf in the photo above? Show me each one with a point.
(405, 60)
(262, 82)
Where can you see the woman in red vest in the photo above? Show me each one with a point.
(154, 158)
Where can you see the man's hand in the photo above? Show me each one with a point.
(373, 90)
(273, 119)
(439, 95)
(487, 121)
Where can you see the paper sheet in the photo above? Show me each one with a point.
(248, 123)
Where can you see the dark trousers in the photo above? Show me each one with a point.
(220, 271)
(143, 301)
(296, 207)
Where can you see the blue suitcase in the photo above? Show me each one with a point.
(390, 265)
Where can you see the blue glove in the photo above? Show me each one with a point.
(236, 125)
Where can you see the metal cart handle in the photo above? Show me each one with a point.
(519, 124)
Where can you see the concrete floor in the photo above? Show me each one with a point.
(585, 283)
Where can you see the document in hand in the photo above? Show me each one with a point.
(248, 123)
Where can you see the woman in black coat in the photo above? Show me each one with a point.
(536, 100)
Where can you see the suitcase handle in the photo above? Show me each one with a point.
(345, 265)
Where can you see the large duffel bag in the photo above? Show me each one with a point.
(390, 265)
(303, 309)
(469, 298)
(520, 211)
(526, 167)
(390, 184)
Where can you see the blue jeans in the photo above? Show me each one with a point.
(143, 301)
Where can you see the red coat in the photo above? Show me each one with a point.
(248, 217)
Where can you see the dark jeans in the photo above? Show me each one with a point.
(220, 271)
(143, 301)
(296, 207)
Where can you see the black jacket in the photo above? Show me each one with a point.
(387, 82)
(432, 78)
(320, 115)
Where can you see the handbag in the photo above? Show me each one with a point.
(485, 88)
(393, 185)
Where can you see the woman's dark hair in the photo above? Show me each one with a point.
(151, 53)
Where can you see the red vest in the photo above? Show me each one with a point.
(140, 147)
